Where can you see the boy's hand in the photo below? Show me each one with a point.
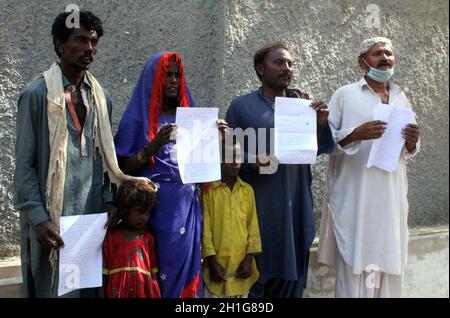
(245, 268)
(216, 272)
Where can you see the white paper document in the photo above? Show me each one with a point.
(80, 261)
(197, 144)
(385, 151)
(295, 131)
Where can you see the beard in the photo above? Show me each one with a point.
(81, 66)
(278, 83)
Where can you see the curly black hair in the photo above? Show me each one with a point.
(87, 20)
(260, 55)
(133, 194)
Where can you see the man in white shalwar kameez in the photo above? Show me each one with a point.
(364, 230)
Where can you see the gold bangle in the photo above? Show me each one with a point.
(141, 157)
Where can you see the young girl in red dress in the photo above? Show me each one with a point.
(129, 258)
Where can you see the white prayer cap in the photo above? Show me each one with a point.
(368, 43)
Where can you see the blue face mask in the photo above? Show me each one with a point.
(379, 75)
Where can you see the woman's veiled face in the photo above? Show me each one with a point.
(172, 82)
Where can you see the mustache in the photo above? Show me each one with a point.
(384, 63)
(286, 74)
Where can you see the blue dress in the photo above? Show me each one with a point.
(176, 224)
(176, 220)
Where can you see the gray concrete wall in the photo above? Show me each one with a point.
(217, 40)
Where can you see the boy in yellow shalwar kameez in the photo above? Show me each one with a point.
(230, 233)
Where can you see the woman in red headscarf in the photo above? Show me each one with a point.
(143, 146)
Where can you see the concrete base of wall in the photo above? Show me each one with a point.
(11, 278)
(427, 273)
(426, 276)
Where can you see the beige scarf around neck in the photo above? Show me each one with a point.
(58, 137)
